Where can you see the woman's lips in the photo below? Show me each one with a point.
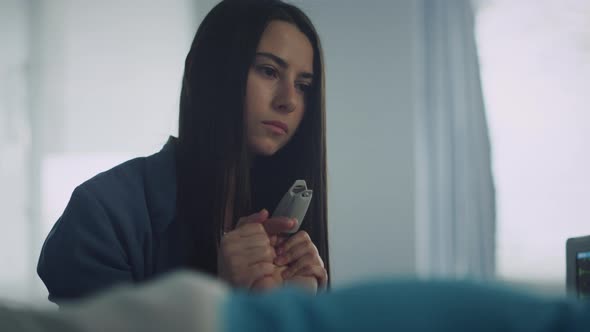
(279, 126)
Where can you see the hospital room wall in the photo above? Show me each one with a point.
(369, 52)
(84, 85)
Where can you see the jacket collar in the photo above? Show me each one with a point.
(160, 183)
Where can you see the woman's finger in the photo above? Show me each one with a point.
(259, 254)
(269, 282)
(246, 230)
(276, 241)
(278, 225)
(296, 252)
(253, 241)
(235, 245)
(307, 260)
(316, 271)
(257, 217)
(255, 272)
(295, 240)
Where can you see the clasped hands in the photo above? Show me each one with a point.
(255, 255)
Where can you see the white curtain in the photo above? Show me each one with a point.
(455, 191)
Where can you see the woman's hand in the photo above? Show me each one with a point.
(269, 282)
(305, 266)
(246, 254)
(276, 279)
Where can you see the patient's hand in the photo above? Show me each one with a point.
(246, 253)
(298, 263)
(276, 280)
(303, 261)
(270, 282)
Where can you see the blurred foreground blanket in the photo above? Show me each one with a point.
(186, 301)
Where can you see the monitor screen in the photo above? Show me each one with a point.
(583, 275)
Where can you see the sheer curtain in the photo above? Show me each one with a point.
(455, 190)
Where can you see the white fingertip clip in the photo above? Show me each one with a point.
(294, 204)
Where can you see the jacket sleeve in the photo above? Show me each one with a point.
(85, 250)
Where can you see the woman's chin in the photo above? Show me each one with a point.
(265, 149)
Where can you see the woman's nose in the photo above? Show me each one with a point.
(286, 98)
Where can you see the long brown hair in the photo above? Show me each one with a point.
(212, 158)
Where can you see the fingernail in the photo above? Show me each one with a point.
(285, 274)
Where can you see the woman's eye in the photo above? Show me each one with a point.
(304, 87)
(267, 71)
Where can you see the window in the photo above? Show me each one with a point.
(535, 64)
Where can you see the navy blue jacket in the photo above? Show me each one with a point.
(119, 226)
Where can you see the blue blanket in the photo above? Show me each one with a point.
(405, 306)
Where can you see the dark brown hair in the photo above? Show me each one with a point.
(212, 155)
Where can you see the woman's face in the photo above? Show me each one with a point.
(278, 80)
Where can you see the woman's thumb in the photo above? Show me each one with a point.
(257, 217)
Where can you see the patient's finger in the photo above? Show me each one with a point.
(257, 217)
(295, 240)
(260, 254)
(316, 271)
(258, 271)
(296, 252)
(277, 240)
(307, 260)
(278, 225)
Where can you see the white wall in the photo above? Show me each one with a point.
(369, 61)
(114, 72)
(15, 244)
(106, 80)
(109, 75)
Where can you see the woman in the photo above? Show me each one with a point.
(252, 121)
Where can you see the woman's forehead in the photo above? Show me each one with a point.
(287, 42)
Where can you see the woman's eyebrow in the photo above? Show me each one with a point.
(282, 63)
